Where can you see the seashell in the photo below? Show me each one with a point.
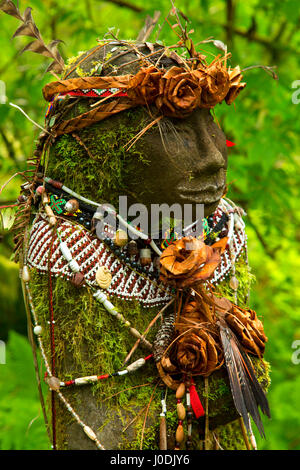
(103, 277)
(121, 238)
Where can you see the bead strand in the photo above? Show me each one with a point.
(189, 418)
(181, 413)
(131, 368)
(88, 431)
(102, 298)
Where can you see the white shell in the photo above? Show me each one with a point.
(103, 277)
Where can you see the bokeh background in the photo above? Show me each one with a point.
(263, 175)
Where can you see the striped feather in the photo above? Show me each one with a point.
(246, 391)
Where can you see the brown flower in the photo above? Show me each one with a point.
(245, 325)
(214, 82)
(188, 261)
(144, 87)
(179, 93)
(197, 350)
(236, 86)
(248, 329)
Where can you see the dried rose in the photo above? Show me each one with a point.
(188, 261)
(248, 329)
(144, 87)
(214, 82)
(179, 93)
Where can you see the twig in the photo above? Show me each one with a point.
(122, 3)
(26, 115)
(146, 415)
(134, 419)
(153, 321)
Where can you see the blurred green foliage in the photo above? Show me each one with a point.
(263, 175)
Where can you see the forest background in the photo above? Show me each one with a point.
(263, 175)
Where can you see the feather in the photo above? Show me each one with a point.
(246, 391)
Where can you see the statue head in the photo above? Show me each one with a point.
(168, 151)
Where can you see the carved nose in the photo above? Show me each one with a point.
(208, 158)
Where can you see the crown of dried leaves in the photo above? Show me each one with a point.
(175, 92)
(188, 261)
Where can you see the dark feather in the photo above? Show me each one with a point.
(246, 390)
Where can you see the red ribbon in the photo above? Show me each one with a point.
(229, 144)
(195, 402)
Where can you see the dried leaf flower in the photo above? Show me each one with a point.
(188, 261)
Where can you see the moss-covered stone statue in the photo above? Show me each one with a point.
(147, 343)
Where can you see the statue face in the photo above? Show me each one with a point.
(187, 166)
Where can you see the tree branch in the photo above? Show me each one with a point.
(125, 4)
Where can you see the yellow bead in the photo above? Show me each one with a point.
(121, 238)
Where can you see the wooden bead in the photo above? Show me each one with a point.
(180, 391)
(145, 256)
(163, 434)
(54, 383)
(121, 238)
(179, 436)
(103, 277)
(78, 279)
(132, 248)
(45, 198)
(181, 411)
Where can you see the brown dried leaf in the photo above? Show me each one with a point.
(38, 47)
(8, 7)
